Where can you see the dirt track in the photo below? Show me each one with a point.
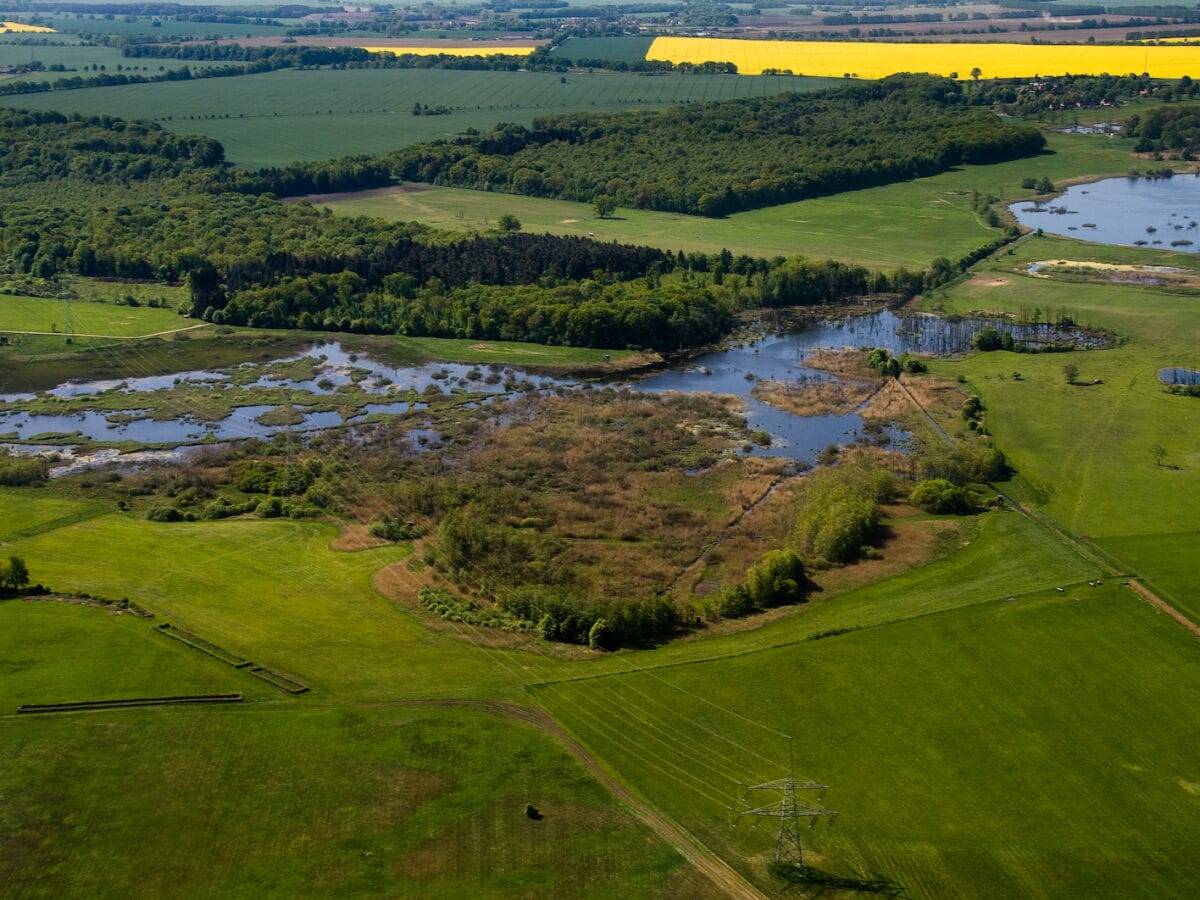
(1156, 601)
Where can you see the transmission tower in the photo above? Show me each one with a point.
(789, 809)
(68, 320)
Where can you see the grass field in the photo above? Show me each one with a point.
(1037, 747)
(293, 800)
(40, 314)
(875, 226)
(623, 49)
(280, 117)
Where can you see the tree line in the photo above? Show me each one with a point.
(716, 158)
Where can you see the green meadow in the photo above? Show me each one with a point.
(1032, 747)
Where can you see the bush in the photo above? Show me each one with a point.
(937, 495)
(839, 510)
(162, 513)
(271, 508)
(17, 471)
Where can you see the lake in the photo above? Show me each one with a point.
(1145, 212)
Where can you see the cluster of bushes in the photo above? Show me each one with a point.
(223, 508)
(279, 479)
(572, 620)
(393, 528)
(938, 495)
(838, 512)
(22, 471)
(459, 609)
(965, 465)
(881, 361)
(776, 580)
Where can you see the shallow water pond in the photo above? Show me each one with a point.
(1163, 213)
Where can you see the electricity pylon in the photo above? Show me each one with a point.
(790, 810)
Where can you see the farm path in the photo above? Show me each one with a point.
(1156, 601)
(690, 574)
(1138, 588)
(924, 411)
(1095, 442)
(112, 337)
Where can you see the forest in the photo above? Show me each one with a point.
(715, 159)
(102, 197)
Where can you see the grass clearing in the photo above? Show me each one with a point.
(1086, 452)
(58, 652)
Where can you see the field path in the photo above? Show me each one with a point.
(728, 882)
(924, 411)
(1154, 600)
(113, 337)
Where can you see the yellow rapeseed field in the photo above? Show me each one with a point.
(481, 50)
(879, 59)
(21, 28)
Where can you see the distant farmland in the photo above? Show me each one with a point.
(280, 117)
(834, 59)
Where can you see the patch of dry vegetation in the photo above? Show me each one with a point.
(812, 397)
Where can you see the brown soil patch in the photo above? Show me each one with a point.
(906, 544)
(400, 581)
(358, 195)
(909, 544)
(989, 281)
(889, 403)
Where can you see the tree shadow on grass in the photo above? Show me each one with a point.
(816, 881)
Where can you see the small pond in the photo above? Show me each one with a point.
(1179, 375)
(1162, 213)
(326, 369)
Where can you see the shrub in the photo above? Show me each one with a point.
(22, 471)
(162, 513)
(270, 508)
(937, 495)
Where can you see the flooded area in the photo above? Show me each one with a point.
(329, 387)
(1135, 211)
